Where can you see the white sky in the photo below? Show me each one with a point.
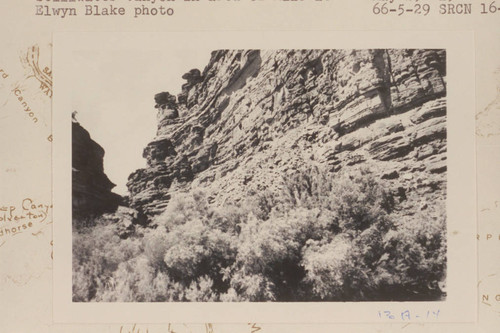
(114, 97)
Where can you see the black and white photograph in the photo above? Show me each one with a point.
(261, 175)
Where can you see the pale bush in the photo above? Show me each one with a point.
(182, 208)
(251, 287)
(201, 290)
(155, 247)
(97, 253)
(194, 249)
(325, 263)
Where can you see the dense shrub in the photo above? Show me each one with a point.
(415, 257)
(97, 253)
(194, 250)
(323, 236)
(270, 251)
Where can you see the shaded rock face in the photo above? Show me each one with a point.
(92, 194)
(253, 117)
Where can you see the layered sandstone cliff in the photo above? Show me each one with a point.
(253, 117)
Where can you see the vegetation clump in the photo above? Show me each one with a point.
(322, 237)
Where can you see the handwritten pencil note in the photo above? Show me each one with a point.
(409, 315)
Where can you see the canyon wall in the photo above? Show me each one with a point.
(253, 117)
(92, 193)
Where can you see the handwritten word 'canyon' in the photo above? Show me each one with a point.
(19, 218)
(24, 103)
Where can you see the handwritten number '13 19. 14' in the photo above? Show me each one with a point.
(407, 315)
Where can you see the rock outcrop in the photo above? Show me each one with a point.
(253, 117)
(92, 193)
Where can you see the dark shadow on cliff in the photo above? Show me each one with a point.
(91, 188)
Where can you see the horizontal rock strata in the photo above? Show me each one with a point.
(253, 117)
